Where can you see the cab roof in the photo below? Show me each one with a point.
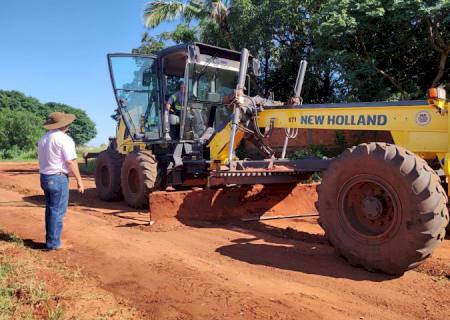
(204, 49)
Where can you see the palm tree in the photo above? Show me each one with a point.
(159, 11)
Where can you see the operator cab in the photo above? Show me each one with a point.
(143, 85)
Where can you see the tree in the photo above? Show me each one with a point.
(149, 45)
(82, 130)
(19, 131)
(357, 50)
(437, 20)
(17, 100)
(183, 33)
(215, 11)
(17, 104)
(386, 49)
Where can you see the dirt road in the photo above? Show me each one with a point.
(172, 270)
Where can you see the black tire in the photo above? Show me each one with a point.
(140, 176)
(382, 207)
(107, 175)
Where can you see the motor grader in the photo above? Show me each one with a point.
(382, 205)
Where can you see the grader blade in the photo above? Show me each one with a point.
(233, 203)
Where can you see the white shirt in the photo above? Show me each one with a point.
(55, 148)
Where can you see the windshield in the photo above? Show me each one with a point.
(210, 84)
(136, 89)
(207, 86)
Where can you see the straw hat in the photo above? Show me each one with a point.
(58, 120)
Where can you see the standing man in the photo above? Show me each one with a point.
(57, 157)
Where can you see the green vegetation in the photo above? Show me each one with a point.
(35, 288)
(312, 151)
(358, 50)
(19, 132)
(88, 168)
(20, 292)
(207, 12)
(81, 150)
(21, 120)
(317, 151)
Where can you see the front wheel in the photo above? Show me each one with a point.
(140, 176)
(107, 175)
(382, 207)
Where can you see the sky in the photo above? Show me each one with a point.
(55, 51)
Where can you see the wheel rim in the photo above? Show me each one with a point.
(369, 208)
(104, 176)
(133, 180)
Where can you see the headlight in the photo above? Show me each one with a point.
(437, 94)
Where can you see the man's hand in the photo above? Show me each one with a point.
(228, 99)
(80, 186)
(73, 167)
(294, 101)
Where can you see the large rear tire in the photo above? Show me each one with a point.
(382, 207)
(140, 176)
(107, 175)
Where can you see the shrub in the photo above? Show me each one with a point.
(19, 132)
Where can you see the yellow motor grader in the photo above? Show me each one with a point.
(382, 205)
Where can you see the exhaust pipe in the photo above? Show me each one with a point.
(291, 134)
(243, 69)
(237, 107)
(300, 78)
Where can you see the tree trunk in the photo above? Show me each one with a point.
(385, 75)
(229, 40)
(225, 29)
(266, 71)
(440, 45)
(441, 70)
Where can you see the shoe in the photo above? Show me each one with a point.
(49, 249)
(64, 246)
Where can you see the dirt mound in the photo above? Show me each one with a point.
(230, 203)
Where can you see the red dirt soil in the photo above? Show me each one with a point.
(231, 203)
(177, 269)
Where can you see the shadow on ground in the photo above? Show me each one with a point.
(278, 248)
(17, 172)
(90, 203)
(289, 249)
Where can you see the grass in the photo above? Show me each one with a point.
(89, 168)
(10, 238)
(56, 314)
(317, 151)
(34, 288)
(81, 150)
(20, 290)
(85, 169)
(31, 155)
(18, 155)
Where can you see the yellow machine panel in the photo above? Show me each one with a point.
(218, 147)
(125, 144)
(419, 127)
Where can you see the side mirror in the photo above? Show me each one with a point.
(256, 66)
(147, 77)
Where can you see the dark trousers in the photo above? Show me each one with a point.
(56, 190)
